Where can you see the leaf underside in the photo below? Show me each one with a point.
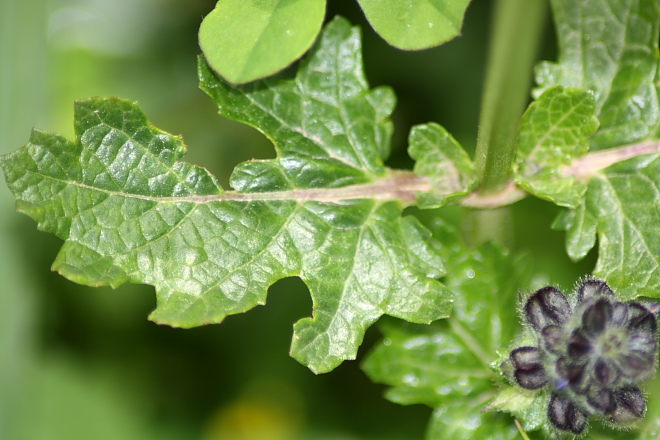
(325, 209)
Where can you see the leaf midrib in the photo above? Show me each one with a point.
(400, 186)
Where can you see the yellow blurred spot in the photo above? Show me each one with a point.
(264, 411)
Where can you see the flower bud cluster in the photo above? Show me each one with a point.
(591, 355)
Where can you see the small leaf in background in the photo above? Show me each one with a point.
(610, 48)
(326, 209)
(447, 165)
(580, 226)
(447, 365)
(244, 40)
(553, 132)
(416, 24)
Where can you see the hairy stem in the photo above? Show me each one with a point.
(582, 168)
(517, 27)
(515, 37)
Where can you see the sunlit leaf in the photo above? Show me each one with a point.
(244, 40)
(326, 209)
(416, 24)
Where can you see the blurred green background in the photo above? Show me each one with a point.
(84, 363)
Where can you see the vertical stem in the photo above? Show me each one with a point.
(516, 31)
(515, 35)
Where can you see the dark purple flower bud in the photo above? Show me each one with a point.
(597, 316)
(528, 369)
(642, 342)
(579, 345)
(640, 318)
(619, 314)
(606, 373)
(602, 400)
(548, 306)
(591, 288)
(553, 338)
(636, 365)
(630, 406)
(565, 415)
(573, 374)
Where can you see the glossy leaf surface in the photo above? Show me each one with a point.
(611, 49)
(553, 132)
(326, 209)
(447, 365)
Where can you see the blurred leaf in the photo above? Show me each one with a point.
(130, 212)
(440, 158)
(69, 402)
(553, 132)
(447, 365)
(610, 48)
(416, 24)
(244, 40)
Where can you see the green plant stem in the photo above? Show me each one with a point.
(515, 35)
(517, 28)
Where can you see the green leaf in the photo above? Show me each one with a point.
(439, 157)
(326, 209)
(244, 40)
(448, 365)
(553, 132)
(580, 226)
(416, 24)
(610, 48)
(624, 203)
(529, 407)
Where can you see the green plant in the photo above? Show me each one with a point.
(328, 210)
(248, 40)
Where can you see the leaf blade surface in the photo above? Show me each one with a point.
(416, 24)
(447, 365)
(245, 40)
(326, 209)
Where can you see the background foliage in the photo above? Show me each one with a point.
(79, 362)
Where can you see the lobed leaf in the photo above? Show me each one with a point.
(447, 365)
(610, 48)
(326, 209)
(244, 40)
(621, 209)
(553, 132)
(440, 158)
(416, 24)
